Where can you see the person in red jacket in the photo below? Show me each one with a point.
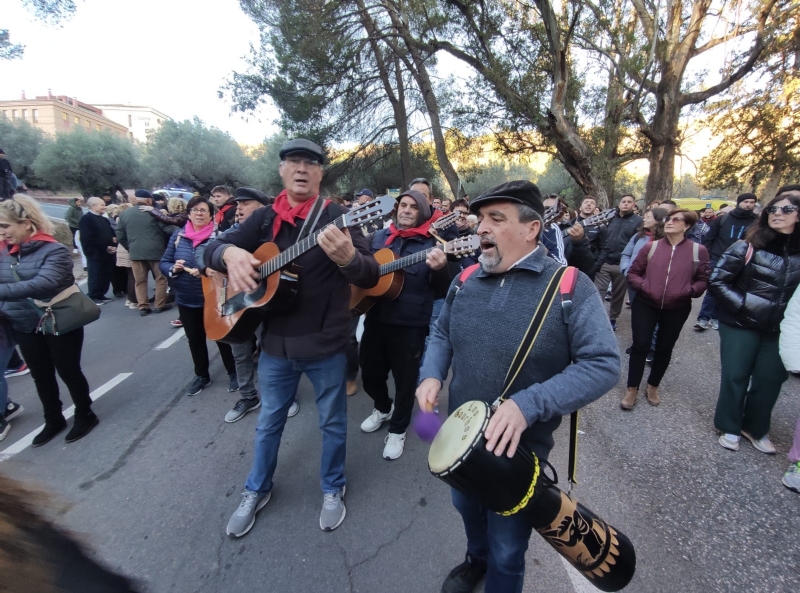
(666, 275)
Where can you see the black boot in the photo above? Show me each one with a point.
(464, 577)
(82, 426)
(50, 430)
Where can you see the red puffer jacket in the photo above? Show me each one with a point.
(669, 280)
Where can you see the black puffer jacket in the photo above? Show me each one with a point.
(620, 230)
(754, 296)
(44, 270)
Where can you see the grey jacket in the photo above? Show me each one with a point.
(480, 331)
(44, 270)
(143, 236)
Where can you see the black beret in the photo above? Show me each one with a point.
(302, 146)
(248, 193)
(143, 193)
(520, 192)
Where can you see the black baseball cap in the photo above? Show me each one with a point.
(520, 192)
(303, 147)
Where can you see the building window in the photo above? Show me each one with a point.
(64, 116)
(13, 114)
(24, 113)
(97, 126)
(35, 115)
(77, 120)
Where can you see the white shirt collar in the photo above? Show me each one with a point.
(524, 257)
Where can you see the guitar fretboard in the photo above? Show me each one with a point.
(404, 262)
(285, 257)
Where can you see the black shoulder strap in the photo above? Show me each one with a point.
(312, 219)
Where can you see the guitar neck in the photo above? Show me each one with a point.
(286, 257)
(404, 262)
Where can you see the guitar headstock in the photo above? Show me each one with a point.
(462, 245)
(601, 218)
(376, 209)
(445, 221)
(553, 212)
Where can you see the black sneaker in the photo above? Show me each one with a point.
(614, 324)
(48, 432)
(649, 359)
(82, 426)
(5, 426)
(162, 309)
(464, 577)
(12, 411)
(233, 383)
(198, 385)
(144, 312)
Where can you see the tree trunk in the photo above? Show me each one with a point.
(664, 138)
(775, 175)
(401, 119)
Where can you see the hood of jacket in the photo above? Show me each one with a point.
(743, 214)
(73, 202)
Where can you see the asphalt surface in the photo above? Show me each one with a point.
(55, 210)
(152, 487)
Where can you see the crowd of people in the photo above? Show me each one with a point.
(745, 265)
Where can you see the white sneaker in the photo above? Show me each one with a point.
(375, 420)
(763, 444)
(729, 441)
(133, 306)
(127, 302)
(295, 407)
(394, 445)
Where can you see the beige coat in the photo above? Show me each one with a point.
(123, 257)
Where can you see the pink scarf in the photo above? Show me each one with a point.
(197, 236)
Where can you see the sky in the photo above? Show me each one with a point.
(172, 55)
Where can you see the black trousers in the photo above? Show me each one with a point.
(397, 349)
(15, 362)
(131, 288)
(644, 318)
(47, 355)
(100, 272)
(352, 350)
(119, 280)
(192, 319)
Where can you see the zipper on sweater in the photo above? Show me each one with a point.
(502, 281)
(669, 267)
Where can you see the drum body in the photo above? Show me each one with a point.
(516, 485)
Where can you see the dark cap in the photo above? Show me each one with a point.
(302, 146)
(365, 192)
(422, 204)
(743, 197)
(520, 192)
(143, 193)
(248, 193)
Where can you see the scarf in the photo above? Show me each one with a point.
(197, 236)
(37, 236)
(285, 213)
(417, 231)
(220, 215)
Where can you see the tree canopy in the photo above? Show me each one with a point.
(22, 143)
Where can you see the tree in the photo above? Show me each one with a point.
(191, 154)
(22, 143)
(264, 168)
(88, 161)
(52, 11)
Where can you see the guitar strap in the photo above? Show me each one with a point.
(312, 219)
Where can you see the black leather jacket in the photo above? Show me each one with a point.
(754, 296)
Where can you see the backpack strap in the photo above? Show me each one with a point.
(462, 277)
(566, 289)
(749, 255)
(695, 257)
(652, 249)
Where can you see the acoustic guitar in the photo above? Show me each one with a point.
(600, 218)
(391, 279)
(232, 316)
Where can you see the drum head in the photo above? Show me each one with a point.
(457, 436)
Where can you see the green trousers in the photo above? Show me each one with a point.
(751, 358)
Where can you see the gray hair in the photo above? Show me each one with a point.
(528, 214)
(92, 201)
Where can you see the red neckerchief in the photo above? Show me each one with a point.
(417, 231)
(285, 213)
(37, 236)
(436, 214)
(220, 215)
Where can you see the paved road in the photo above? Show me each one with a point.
(153, 486)
(55, 210)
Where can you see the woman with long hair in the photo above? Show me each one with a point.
(752, 285)
(36, 266)
(651, 229)
(666, 275)
(179, 264)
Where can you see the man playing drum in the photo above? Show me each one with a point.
(570, 365)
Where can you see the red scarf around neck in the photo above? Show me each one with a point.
(37, 236)
(417, 231)
(284, 212)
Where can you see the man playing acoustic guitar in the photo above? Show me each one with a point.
(311, 337)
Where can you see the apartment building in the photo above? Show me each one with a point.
(139, 120)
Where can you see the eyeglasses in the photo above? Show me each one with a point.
(788, 209)
(200, 211)
(461, 213)
(675, 219)
(297, 161)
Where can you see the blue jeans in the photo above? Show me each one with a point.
(5, 356)
(499, 541)
(708, 310)
(277, 381)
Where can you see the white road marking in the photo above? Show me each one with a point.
(171, 340)
(579, 582)
(26, 441)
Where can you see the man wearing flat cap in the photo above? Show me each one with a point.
(573, 362)
(311, 337)
(395, 330)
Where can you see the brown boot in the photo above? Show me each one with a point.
(652, 395)
(629, 400)
(352, 388)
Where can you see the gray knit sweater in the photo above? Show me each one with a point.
(480, 332)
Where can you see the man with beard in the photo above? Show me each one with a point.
(723, 232)
(479, 331)
(395, 331)
(594, 233)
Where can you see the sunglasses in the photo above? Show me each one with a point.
(785, 209)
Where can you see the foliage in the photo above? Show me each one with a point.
(50, 11)
(264, 168)
(22, 143)
(89, 161)
(190, 154)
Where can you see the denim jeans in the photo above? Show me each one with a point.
(500, 541)
(708, 310)
(5, 356)
(246, 367)
(277, 380)
(437, 310)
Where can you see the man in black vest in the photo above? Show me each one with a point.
(311, 337)
(100, 247)
(395, 331)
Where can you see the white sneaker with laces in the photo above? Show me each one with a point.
(394, 445)
(293, 409)
(763, 444)
(729, 441)
(375, 420)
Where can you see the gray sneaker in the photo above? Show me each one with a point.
(791, 479)
(701, 325)
(242, 407)
(244, 518)
(333, 510)
(714, 323)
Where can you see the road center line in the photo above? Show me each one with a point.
(579, 582)
(26, 441)
(171, 340)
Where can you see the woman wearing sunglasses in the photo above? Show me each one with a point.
(752, 284)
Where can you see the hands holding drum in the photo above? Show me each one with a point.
(505, 427)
